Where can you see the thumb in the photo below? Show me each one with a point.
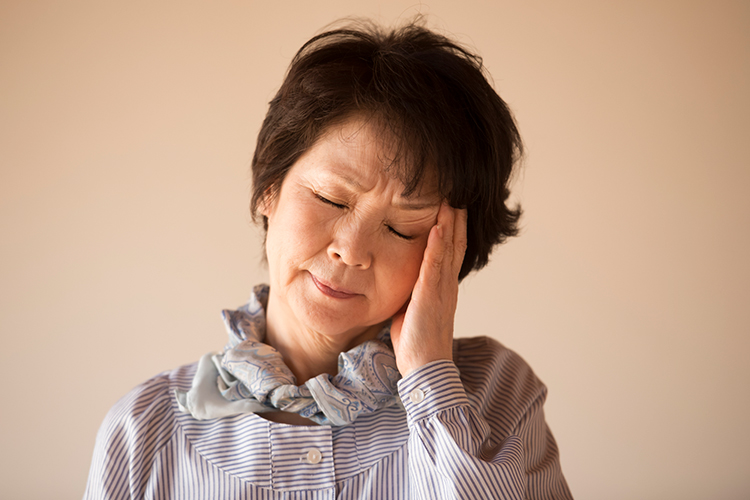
(397, 323)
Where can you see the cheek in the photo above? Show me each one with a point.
(296, 234)
(403, 272)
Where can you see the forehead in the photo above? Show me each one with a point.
(360, 150)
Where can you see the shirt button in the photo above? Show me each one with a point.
(416, 396)
(313, 456)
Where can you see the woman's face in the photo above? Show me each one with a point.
(344, 246)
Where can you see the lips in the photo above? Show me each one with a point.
(331, 290)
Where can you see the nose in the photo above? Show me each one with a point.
(352, 245)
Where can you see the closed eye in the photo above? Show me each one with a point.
(329, 202)
(339, 205)
(402, 236)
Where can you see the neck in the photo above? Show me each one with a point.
(306, 352)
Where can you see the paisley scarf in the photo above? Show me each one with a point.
(251, 377)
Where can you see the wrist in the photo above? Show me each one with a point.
(412, 364)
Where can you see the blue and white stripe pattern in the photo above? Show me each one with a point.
(470, 430)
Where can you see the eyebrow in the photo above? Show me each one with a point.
(416, 206)
(349, 180)
(407, 205)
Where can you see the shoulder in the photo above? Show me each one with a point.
(150, 405)
(152, 396)
(133, 433)
(482, 360)
(497, 380)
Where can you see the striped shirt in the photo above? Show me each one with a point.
(473, 428)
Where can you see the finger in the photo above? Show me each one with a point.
(434, 256)
(446, 221)
(459, 238)
(397, 324)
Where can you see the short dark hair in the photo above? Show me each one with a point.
(428, 94)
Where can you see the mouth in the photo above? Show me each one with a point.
(332, 291)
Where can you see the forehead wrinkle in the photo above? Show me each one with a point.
(357, 147)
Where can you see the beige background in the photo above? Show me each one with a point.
(126, 132)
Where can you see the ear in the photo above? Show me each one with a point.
(267, 203)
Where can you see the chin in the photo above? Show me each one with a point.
(325, 320)
(345, 328)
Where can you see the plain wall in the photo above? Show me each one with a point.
(126, 133)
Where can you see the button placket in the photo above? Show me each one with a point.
(301, 455)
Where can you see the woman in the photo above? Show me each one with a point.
(381, 176)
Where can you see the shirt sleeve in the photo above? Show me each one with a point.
(455, 454)
(129, 439)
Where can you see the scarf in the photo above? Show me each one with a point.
(251, 377)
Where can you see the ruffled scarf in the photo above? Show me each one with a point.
(251, 377)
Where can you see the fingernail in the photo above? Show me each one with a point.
(440, 230)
